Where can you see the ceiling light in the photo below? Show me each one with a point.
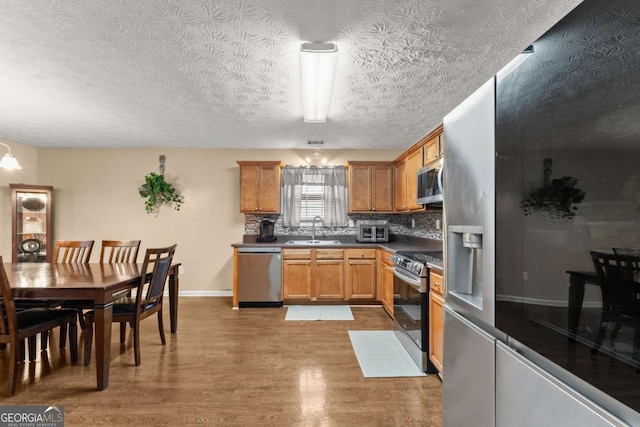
(318, 62)
(8, 161)
(316, 159)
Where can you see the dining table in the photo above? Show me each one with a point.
(102, 283)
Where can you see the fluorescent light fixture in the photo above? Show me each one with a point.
(318, 62)
(515, 62)
(8, 161)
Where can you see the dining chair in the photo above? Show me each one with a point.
(114, 251)
(78, 251)
(619, 277)
(16, 326)
(72, 252)
(148, 300)
(120, 251)
(626, 251)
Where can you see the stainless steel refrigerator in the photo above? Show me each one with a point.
(541, 169)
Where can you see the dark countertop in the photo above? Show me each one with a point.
(396, 243)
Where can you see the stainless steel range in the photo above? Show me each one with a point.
(411, 304)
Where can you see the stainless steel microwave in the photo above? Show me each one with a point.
(430, 183)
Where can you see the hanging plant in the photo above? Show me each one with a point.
(557, 197)
(158, 192)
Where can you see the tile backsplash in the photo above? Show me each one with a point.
(425, 225)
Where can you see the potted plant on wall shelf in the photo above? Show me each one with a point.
(557, 197)
(158, 192)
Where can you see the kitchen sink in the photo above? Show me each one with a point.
(314, 242)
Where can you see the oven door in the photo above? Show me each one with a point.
(410, 308)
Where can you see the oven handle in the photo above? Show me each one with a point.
(415, 283)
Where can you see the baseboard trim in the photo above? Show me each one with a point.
(202, 293)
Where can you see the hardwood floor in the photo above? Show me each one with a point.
(232, 367)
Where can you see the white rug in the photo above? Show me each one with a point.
(319, 312)
(380, 354)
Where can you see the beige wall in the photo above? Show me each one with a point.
(96, 197)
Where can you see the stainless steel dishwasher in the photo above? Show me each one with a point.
(259, 277)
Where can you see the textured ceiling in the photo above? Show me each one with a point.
(196, 73)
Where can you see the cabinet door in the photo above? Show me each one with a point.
(269, 189)
(387, 288)
(361, 276)
(400, 187)
(32, 237)
(329, 276)
(296, 279)
(432, 150)
(359, 188)
(414, 162)
(436, 329)
(382, 194)
(249, 188)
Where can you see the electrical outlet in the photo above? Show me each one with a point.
(181, 269)
(437, 224)
(413, 223)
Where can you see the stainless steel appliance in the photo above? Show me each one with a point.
(259, 277)
(372, 231)
(430, 184)
(512, 355)
(267, 234)
(411, 304)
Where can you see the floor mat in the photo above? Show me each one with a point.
(319, 312)
(380, 354)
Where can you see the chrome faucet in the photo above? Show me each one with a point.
(313, 226)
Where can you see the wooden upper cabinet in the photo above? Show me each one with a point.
(370, 186)
(414, 162)
(433, 149)
(260, 186)
(406, 181)
(405, 170)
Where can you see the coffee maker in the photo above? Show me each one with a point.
(266, 231)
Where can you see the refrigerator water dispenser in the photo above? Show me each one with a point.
(465, 251)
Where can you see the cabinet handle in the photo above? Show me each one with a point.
(256, 209)
(436, 284)
(388, 268)
(373, 209)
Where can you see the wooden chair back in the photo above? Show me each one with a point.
(156, 261)
(119, 251)
(8, 320)
(619, 277)
(72, 251)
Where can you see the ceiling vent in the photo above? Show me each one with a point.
(315, 142)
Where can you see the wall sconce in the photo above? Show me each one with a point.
(318, 62)
(8, 161)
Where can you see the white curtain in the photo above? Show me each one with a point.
(333, 181)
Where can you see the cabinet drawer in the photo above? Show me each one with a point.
(329, 253)
(436, 282)
(386, 257)
(296, 254)
(361, 253)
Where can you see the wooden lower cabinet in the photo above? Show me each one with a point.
(329, 274)
(312, 274)
(361, 274)
(386, 279)
(436, 318)
(296, 279)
